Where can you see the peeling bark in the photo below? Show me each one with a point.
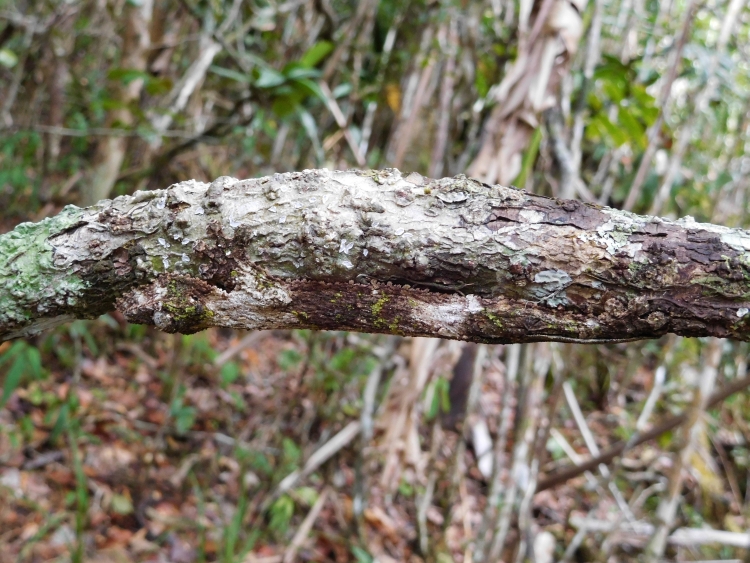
(376, 251)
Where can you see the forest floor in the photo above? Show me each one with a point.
(119, 443)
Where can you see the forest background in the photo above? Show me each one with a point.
(120, 443)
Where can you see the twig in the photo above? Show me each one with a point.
(553, 120)
(320, 456)
(537, 438)
(523, 476)
(648, 408)
(402, 131)
(667, 510)
(10, 96)
(734, 485)
(366, 424)
(177, 99)
(655, 130)
(104, 132)
(301, 535)
(591, 444)
(248, 341)
(574, 456)
(446, 96)
(338, 115)
(424, 504)
(593, 49)
(703, 98)
(564, 475)
(390, 41)
(512, 361)
(472, 404)
(681, 536)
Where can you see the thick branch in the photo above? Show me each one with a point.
(376, 251)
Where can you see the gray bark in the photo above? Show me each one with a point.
(376, 251)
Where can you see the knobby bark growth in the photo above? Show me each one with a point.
(376, 251)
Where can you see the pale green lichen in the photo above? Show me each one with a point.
(28, 276)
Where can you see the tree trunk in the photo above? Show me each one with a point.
(111, 150)
(376, 251)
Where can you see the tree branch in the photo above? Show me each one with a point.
(376, 251)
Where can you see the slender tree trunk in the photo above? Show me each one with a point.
(376, 251)
(110, 151)
(544, 51)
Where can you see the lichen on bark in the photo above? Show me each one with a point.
(26, 272)
(377, 251)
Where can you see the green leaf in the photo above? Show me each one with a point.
(284, 106)
(127, 75)
(156, 86)
(26, 360)
(615, 133)
(13, 378)
(343, 89)
(281, 513)
(15, 349)
(185, 419)
(291, 453)
(311, 88)
(232, 74)
(361, 555)
(445, 398)
(308, 495)
(432, 411)
(529, 158)
(294, 71)
(229, 373)
(259, 462)
(8, 58)
(316, 53)
(34, 359)
(614, 89)
(342, 360)
(288, 359)
(645, 106)
(269, 78)
(62, 424)
(632, 127)
(121, 504)
(611, 68)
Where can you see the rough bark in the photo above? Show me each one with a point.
(376, 251)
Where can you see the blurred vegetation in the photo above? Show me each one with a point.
(120, 443)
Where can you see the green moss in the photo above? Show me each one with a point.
(494, 318)
(376, 308)
(185, 307)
